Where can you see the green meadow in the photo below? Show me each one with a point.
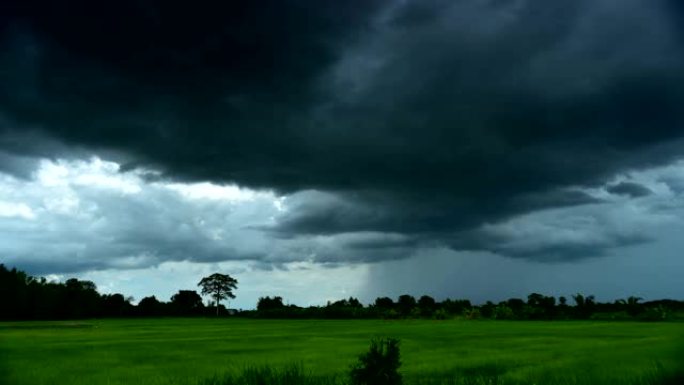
(194, 351)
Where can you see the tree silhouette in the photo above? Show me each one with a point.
(187, 302)
(219, 286)
(80, 299)
(584, 305)
(150, 307)
(116, 305)
(406, 303)
(633, 306)
(384, 303)
(268, 303)
(427, 305)
(426, 302)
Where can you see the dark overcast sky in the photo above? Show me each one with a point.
(298, 138)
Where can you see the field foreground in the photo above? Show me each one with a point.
(188, 351)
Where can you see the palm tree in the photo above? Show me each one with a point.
(633, 305)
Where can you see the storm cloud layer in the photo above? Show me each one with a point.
(390, 126)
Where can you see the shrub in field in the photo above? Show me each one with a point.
(473, 313)
(657, 313)
(503, 312)
(379, 366)
(441, 314)
(391, 314)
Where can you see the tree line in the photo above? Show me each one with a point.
(23, 297)
(534, 307)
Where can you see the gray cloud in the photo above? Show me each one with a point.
(75, 216)
(20, 166)
(315, 212)
(631, 189)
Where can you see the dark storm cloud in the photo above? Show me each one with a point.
(327, 214)
(675, 185)
(539, 249)
(16, 165)
(634, 190)
(418, 117)
(163, 81)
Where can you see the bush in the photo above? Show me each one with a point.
(658, 313)
(441, 314)
(391, 314)
(503, 312)
(379, 366)
(472, 314)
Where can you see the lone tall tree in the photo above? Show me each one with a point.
(219, 286)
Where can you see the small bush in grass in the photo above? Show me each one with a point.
(441, 314)
(379, 366)
(658, 313)
(472, 314)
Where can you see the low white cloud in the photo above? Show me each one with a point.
(94, 174)
(16, 210)
(89, 215)
(210, 191)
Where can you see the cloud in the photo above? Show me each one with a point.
(87, 215)
(631, 189)
(410, 122)
(565, 226)
(77, 216)
(562, 235)
(16, 210)
(320, 213)
(20, 166)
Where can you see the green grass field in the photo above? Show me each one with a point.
(185, 351)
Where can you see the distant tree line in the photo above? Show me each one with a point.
(23, 297)
(535, 307)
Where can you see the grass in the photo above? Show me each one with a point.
(223, 352)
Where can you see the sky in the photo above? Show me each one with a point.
(316, 150)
